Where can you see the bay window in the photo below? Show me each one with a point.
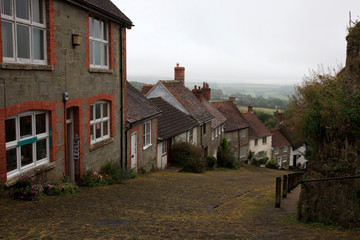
(99, 121)
(23, 31)
(98, 43)
(27, 141)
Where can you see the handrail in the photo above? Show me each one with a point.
(329, 179)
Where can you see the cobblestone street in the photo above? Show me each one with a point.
(227, 204)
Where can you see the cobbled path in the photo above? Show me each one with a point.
(227, 204)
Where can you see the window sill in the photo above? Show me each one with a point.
(31, 172)
(147, 146)
(100, 144)
(22, 66)
(101, 70)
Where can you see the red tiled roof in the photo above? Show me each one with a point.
(108, 8)
(257, 128)
(188, 100)
(278, 140)
(235, 119)
(138, 106)
(172, 121)
(219, 118)
(146, 88)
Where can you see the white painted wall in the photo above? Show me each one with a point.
(161, 161)
(261, 147)
(299, 152)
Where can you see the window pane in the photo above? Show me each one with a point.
(97, 55)
(97, 28)
(10, 130)
(22, 9)
(40, 123)
(90, 26)
(105, 110)
(98, 130)
(104, 36)
(92, 132)
(6, 7)
(91, 112)
(105, 54)
(11, 160)
(37, 11)
(25, 127)
(98, 111)
(7, 39)
(38, 43)
(106, 128)
(23, 41)
(26, 154)
(41, 150)
(91, 52)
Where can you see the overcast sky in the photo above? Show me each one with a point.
(257, 41)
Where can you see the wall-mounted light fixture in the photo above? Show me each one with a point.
(76, 40)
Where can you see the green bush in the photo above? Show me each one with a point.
(113, 171)
(273, 164)
(127, 173)
(188, 156)
(211, 161)
(26, 188)
(61, 189)
(225, 158)
(260, 161)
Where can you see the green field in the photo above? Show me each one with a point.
(265, 110)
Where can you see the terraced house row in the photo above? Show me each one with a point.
(66, 107)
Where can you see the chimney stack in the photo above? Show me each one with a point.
(250, 108)
(232, 99)
(179, 73)
(206, 91)
(280, 117)
(197, 91)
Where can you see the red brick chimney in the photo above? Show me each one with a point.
(280, 117)
(250, 108)
(206, 91)
(179, 73)
(232, 99)
(198, 92)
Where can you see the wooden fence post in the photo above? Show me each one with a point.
(278, 192)
(285, 186)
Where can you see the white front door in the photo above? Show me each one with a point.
(133, 151)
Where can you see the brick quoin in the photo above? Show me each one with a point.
(50, 38)
(23, 107)
(98, 97)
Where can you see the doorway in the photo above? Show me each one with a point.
(69, 163)
(133, 151)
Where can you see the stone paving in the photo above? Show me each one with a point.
(227, 204)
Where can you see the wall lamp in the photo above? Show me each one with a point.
(76, 40)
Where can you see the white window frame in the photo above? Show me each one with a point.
(191, 135)
(15, 143)
(164, 147)
(285, 149)
(284, 158)
(276, 150)
(147, 134)
(15, 21)
(99, 123)
(256, 142)
(104, 25)
(222, 128)
(242, 152)
(264, 140)
(279, 159)
(216, 132)
(212, 134)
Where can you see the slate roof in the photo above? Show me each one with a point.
(172, 121)
(108, 8)
(139, 108)
(188, 100)
(146, 88)
(257, 128)
(235, 119)
(219, 118)
(278, 140)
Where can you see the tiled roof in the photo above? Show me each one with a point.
(188, 100)
(235, 119)
(172, 121)
(287, 132)
(219, 118)
(257, 128)
(138, 106)
(108, 8)
(146, 88)
(278, 140)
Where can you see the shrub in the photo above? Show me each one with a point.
(113, 171)
(94, 179)
(188, 156)
(211, 161)
(225, 158)
(273, 164)
(61, 189)
(260, 161)
(127, 173)
(26, 188)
